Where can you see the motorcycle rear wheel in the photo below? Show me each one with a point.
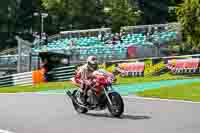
(117, 108)
(78, 108)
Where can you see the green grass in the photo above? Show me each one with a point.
(136, 80)
(38, 87)
(189, 92)
(62, 85)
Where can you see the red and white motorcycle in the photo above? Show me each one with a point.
(100, 96)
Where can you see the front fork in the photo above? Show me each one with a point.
(106, 93)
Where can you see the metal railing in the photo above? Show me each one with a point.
(61, 73)
(20, 79)
(155, 27)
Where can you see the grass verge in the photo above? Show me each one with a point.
(68, 85)
(38, 87)
(189, 92)
(136, 80)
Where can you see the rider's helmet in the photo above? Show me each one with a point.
(92, 63)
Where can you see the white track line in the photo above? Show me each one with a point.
(5, 131)
(158, 99)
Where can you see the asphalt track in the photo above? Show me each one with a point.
(39, 113)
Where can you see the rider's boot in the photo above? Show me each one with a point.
(83, 99)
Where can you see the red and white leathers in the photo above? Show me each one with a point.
(84, 77)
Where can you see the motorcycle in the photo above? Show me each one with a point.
(100, 96)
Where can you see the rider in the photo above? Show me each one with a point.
(84, 76)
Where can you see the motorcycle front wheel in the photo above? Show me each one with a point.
(78, 108)
(117, 107)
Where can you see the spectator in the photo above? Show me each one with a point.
(45, 69)
(103, 36)
(37, 38)
(100, 36)
(46, 39)
(71, 43)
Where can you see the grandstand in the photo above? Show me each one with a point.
(141, 39)
(8, 61)
(8, 64)
(17, 59)
(135, 41)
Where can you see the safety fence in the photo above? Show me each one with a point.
(20, 79)
(38, 76)
(133, 68)
(61, 74)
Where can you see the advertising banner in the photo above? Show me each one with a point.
(183, 65)
(131, 69)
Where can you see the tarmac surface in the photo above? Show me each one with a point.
(42, 113)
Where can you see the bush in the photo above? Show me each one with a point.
(151, 69)
(110, 68)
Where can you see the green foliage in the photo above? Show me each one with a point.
(151, 69)
(8, 12)
(122, 13)
(16, 16)
(172, 16)
(111, 68)
(76, 13)
(154, 11)
(102, 66)
(188, 16)
(58, 7)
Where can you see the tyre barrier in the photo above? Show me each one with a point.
(132, 74)
(184, 71)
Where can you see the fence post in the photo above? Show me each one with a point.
(30, 62)
(18, 54)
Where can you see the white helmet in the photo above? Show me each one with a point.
(92, 63)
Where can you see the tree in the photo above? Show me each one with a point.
(122, 13)
(79, 14)
(189, 17)
(8, 14)
(16, 17)
(7, 22)
(172, 16)
(154, 11)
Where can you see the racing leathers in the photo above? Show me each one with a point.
(84, 77)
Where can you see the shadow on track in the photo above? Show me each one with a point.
(127, 117)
